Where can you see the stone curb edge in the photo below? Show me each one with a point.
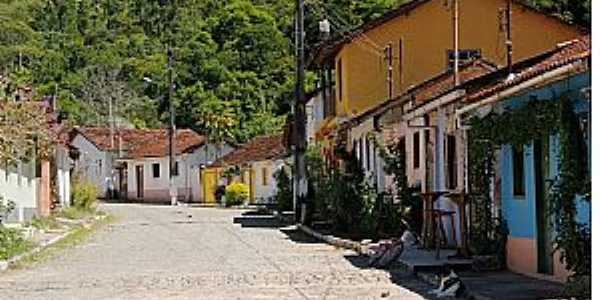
(332, 240)
(4, 264)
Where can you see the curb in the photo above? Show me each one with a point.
(332, 240)
(5, 264)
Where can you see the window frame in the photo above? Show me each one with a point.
(155, 170)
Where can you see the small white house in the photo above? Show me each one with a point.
(255, 164)
(135, 165)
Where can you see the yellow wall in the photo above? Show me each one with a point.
(426, 34)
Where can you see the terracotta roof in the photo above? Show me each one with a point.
(430, 89)
(332, 45)
(258, 149)
(566, 53)
(140, 143)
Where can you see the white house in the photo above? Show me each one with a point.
(255, 164)
(135, 165)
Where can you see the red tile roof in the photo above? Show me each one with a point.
(140, 143)
(566, 53)
(258, 149)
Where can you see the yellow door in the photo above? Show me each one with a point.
(209, 184)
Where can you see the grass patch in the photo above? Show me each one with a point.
(78, 235)
(12, 243)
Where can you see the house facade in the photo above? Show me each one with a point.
(135, 166)
(526, 172)
(255, 164)
(386, 57)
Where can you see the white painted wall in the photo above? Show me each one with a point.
(373, 167)
(265, 193)
(94, 165)
(18, 184)
(314, 116)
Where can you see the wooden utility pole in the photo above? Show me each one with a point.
(456, 41)
(300, 181)
(509, 45)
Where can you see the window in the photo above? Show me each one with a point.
(156, 170)
(464, 56)
(265, 176)
(338, 71)
(417, 150)
(361, 153)
(176, 169)
(518, 171)
(451, 167)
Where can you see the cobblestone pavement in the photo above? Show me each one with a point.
(153, 252)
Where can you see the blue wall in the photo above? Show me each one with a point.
(520, 212)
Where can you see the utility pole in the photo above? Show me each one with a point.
(172, 129)
(300, 181)
(509, 45)
(456, 41)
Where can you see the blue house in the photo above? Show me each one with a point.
(525, 172)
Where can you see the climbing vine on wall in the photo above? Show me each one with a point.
(519, 127)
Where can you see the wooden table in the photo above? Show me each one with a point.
(428, 232)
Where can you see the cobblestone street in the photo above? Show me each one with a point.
(161, 252)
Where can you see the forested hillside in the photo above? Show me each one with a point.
(233, 64)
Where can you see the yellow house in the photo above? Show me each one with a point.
(384, 58)
(254, 164)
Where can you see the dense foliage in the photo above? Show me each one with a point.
(284, 196)
(84, 195)
(232, 58)
(237, 194)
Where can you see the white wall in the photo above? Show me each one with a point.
(266, 193)
(18, 184)
(373, 166)
(314, 116)
(94, 165)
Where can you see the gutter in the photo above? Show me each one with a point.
(562, 71)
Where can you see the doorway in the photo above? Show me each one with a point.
(139, 177)
(542, 187)
(123, 183)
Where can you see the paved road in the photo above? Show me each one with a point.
(161, 253)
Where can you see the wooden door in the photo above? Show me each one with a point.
(139, 177)
(544, 230)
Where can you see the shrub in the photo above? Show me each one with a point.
(11, 243)
(284, 196)
(84, 195)
(236, 194)
(6, 207)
